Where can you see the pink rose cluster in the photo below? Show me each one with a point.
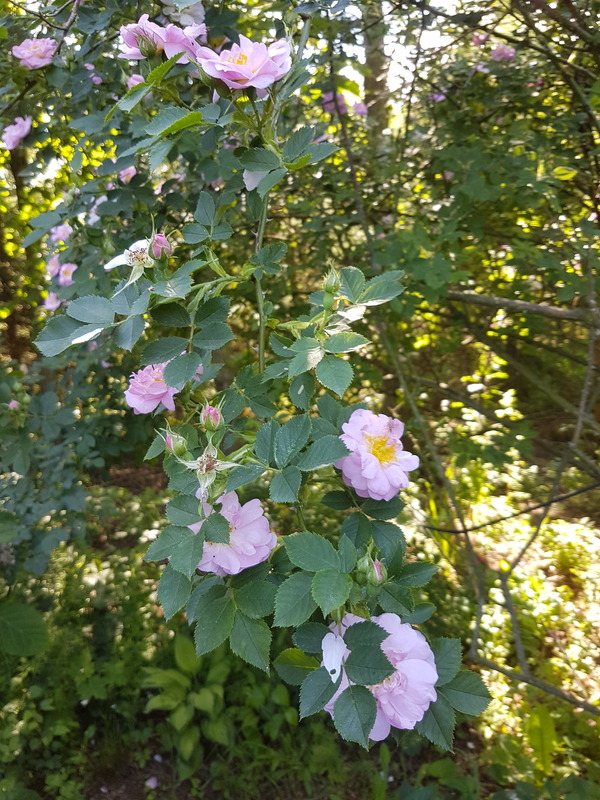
(378, 464)
(250, 539)
(403, 698)
(247, 64)
(144, 38)
(35, 53)
(328, 102)
(13, 134)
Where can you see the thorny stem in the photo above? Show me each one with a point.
(260, 300)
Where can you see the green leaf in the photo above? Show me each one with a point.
(174, 590)
(330, 589)
(309, 637)
(182, 369)
(357, 528)
(311, 552)
(345, 342)
(172, 315)
(316, 691)
(170, 120)
(163, 350)
(293, 666)
(335, 374)
(256, 598)
(368, 665)
(391, 543)
(308, 353)
(265, 442)
(541, 735)
(337, 500)
(22, 630)
(297, 144)
(284, 486)
(416, 574)
(290, 439)
(216, 529)
(240, 476)
(422, 612)
(322, 453)
(564, 173)
(467, 693)
(382, 288)
(250, 639)
(183, 510)
(205, 210)
(438, 724)
(448, 656)
(166, 542)
(215, 621)
(321, 150)
(270, 180)
(187, 552)
(193, 233)
(352, 283)
(348, 554)
(185, 654)
(294, 603)
(354, 714)
(395, 600)
(129, 331)
(383, 509)
(258, 159)
(58, 334)
(213, 336)
(302, 389)
(91, 309)
(364, 634)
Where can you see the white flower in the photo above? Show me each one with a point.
(135, 256)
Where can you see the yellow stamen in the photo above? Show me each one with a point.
(240, 59)
(381, 449)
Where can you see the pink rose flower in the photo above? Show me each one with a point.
(125, 175)
(329, 104)
(360, 109)
(97, 80)
(60, 233)
(160, 246)
(437, 97)
(151, 783)
(65, 274)
(53, 266)
(503, 52)
(141, 39)
(134, 80)
(211, 418)
(479, 38)
(52, 302)
(147, 390)
(250, 539)
(176, 40)
(377, 464)
(13, 134)
(247, 64)
(403, 698)
(13, 405)
(35, 53)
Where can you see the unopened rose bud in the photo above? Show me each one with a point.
(147, 46)
(160, 246)
(332, 282)
(176, 444)
(378, 574)
(211, 418)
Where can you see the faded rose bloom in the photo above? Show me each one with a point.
(65, 274)
(247, 63)
(135, 256)
(402, 698)
(125, 175)
(13, 134)
(147, 390)
(250, 539)
(134, 80)
(328, 102)
(51, 302)
(378, 464)
(60, 233)
(503, 52)
(35, 53)
(160, 246)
